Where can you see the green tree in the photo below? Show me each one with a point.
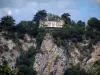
(93, 28)
(40, 36)
(28, 27)
(80, 23)
(26, 61)
(66, 17)
(40, 15)
(7, 22)
(74, 70)
(6, 70)
(94, 23)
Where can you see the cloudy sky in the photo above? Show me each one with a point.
(25, 9)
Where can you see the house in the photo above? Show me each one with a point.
(51, 21)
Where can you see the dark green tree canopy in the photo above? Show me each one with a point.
(7, 21)
(81, 23)
(66, 17)
(40, 15)
(28, 27)
(94, 23)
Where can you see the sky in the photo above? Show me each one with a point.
(26, 9)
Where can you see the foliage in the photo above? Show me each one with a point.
(28, 27)
(71, 31)
(5, 62)
(95, 37)
(40, 15)
(80, 23)
(75, 70)
(6, 70)
(7, 22)
(94, 68)
(25, 62)
(66, 17)
(94, 23)
(59, 42)
(40, 36)
(76, 32)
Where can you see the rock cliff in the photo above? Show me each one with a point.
(10, 50)
(52, 60)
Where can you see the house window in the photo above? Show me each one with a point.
(51, 24)
(55, 24)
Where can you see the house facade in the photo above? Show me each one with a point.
(52, 22)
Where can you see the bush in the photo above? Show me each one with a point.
(25, 62)
(40, 36)
(59, 42)
(7, 22)
(75, 70)
(6, 70)
(5, 62)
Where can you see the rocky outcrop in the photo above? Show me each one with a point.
(10, 51)
(95, 53)
(53, 59)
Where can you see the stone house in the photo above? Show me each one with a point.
(51, 22)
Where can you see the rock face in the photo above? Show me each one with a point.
(95, 53)
(10, 51)
(53, 59)
(79, 53)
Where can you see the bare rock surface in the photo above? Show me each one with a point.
(53, 59)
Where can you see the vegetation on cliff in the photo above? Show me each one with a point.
(25, 62)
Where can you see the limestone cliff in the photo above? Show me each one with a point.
(10, 50)
(53, 59)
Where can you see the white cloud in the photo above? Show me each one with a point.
(5, 11)
(9, 12)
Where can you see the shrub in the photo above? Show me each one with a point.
(25, 62)
(40, 36)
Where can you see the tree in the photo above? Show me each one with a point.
(40, 15)
(6, 70)
(7, 22)
(94, 23)
(25, 62)
(52, 16)
(75, 70)
(80, 23)
(40, 36)
(66, 17)
(28, 27)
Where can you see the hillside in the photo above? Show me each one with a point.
(27, 49)
(52, 60)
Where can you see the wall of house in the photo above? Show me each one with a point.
(52, 23)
